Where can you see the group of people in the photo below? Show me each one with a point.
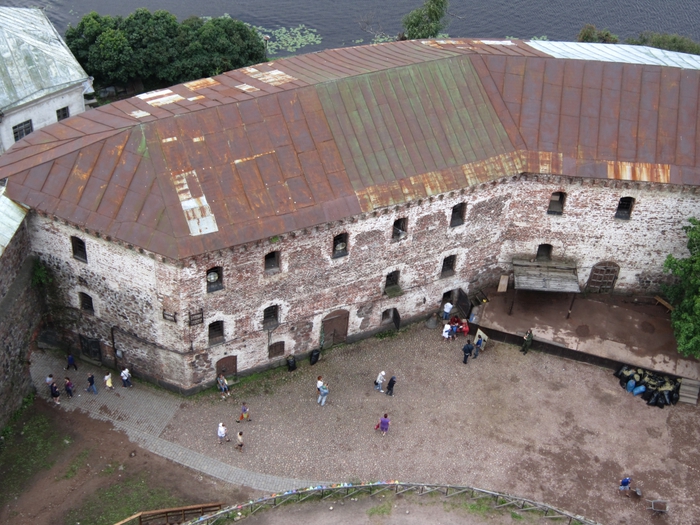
(68, 386)
(222, 431)
(470, 349)
(389, 386)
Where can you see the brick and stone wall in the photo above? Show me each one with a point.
(504, 219)
(20, 315)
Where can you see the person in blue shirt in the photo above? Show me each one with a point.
(625, 486)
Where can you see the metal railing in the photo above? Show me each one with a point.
(348, 490)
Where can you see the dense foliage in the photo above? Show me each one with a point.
(158, 50)
(684, 295)
(426, 21)
(589, 33)
(667, 41)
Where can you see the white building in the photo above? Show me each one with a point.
(41, 82)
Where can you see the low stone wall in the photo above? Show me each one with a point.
(20, 316)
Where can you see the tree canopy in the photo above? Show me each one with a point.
(667, 41)
(426, 21)
(589, 33)
(157, 49)
(684, 294)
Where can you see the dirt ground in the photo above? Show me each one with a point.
(50, 496)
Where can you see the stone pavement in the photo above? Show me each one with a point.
(142, 413)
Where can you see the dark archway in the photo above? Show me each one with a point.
(335, 328)
(603, 277)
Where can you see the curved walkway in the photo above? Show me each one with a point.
(143, 413)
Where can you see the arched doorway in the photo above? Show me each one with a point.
(227, 366)
(603, 277)
(335, 328)
(391, 316)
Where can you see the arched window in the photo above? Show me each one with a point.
(79, 250)
(340, 245)
(86, 303)
(216, 333)
(215, 279)
(272, 262)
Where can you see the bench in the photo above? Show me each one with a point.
(668, 305)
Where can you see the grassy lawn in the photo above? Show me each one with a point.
(121, 500)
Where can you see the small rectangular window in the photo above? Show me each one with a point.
(196, 318)
(216, 333)
(271, 317)
(62, 113)
(391, 286)
(22, 130)
(544, 252)
(86, 303)
(448, 266)
(275, 350)
(170, 316)
(624, 208)
(457, 218)
(340, 245)
(556, 203)
(272, 262)
(79, 250)
(215, 279)
(399, 230)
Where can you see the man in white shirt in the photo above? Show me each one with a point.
(446, 310)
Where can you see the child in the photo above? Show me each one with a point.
(68, 386)
(108, 381)
(222, 432)
(245, 414)
(239, 438)
(55, 394)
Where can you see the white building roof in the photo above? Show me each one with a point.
(34, 60)
(622, 53)
(11, 216)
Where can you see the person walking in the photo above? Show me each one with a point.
(48, 381)
(527, 342)
(223, 386)
(467, 350)
(239, 438)
(222, 432)
(478, 346)
(319, 384)
(91, 384)
(126, 377)
(390, 386)
(108, 381)
(55, 394)
(625, 486)
(70, 361)
(323, 394)
(446, 310)
(245, 413)
(383, 424)
(68, 387)
(378, 382)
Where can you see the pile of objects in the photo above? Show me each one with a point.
(656, 389)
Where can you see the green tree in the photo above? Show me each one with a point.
(83, 36)
(589, 33)
(426, 21)
(667, 41)
(111, 59)
(684, 295)
(153, 38)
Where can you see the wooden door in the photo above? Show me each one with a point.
(227, 366)
(335, 328)
(603, 277)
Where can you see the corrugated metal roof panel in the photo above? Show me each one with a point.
(11, 217)
(34, 59)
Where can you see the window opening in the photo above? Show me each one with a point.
(457, 218)
(196, 318)
(86, 302)
(216, 333)
(544, 252)
(215, 279)
(22, 130)
(556, 203)
(271, 317)
(400, 227)
(387, 316)
(272, 262)
(624, 208)
(340, 245)
(392, 287)
(62, 113)
(448, 266)
(79, 250)
(275, 350)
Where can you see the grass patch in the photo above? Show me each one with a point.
(386, 335)
(383, 509)
(121, 500)
(515, 515)
(75, 465)
(30, 445)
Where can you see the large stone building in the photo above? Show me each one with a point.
(41, 82)
(228, 222)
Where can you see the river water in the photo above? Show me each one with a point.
(337, 21)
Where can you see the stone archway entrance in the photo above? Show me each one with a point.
(227, 366)
(335, 328)
(603, 277)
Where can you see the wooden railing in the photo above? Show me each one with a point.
(348, 490)
(177, 515)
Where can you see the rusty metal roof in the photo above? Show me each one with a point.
(285, 145)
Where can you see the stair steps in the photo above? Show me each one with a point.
(689, 391)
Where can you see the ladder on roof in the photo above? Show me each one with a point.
(689, 391)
